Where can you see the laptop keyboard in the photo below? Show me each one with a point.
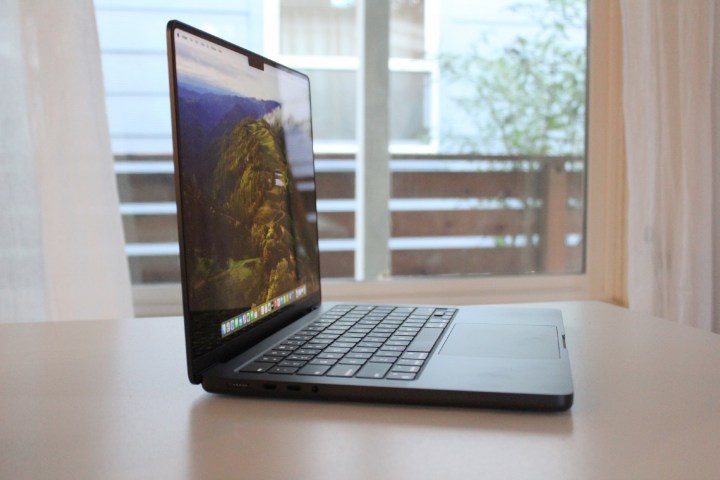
(361, 341)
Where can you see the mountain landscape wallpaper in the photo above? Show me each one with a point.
(246, 235)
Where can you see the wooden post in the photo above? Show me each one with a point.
(553, 227)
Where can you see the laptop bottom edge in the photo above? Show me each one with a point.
(389, 395)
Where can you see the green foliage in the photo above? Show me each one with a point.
(530, 96)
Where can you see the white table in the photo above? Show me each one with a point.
(106, 400)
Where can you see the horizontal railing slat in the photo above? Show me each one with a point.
(477, 202)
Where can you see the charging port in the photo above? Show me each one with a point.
(293, 388)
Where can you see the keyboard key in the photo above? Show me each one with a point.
(377, 359)
(378, 337)
(358, 355)
(256, 367)
(413, 323)
(352, 361)
(336, 350)
(401, 338)
(383, 353)
(336, 330)
(400, 376)
(323, 361)
(348, 321)
(278, 353)
(343, 370)
(408, 330)
(384, 330)
(425, 340)
(313, 370)
(335, 356)
(362, 330)
(412, 363)
(301, 337)
(415, 355)
(363, 308)
(369, 322)
(391, 322)
(364, 350)
(405, 369)
(307, 351)
(295, 356)
(407, 310)
(313, 329)
(327, 336)
(269, 359)
(390, 348)
(373, 370)
(286, 347)
(283, 370)
(291, 363)
(351, 337)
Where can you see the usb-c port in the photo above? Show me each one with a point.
(293, 388)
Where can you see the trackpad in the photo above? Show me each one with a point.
(502, 341)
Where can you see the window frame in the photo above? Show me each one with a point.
(604, 276)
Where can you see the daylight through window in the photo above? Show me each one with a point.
(487, 127)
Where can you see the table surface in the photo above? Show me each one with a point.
(111, 400)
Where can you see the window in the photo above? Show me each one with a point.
(469, 196)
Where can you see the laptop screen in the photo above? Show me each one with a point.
(245, 183)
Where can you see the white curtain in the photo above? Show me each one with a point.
(671, 99)
(61, 240)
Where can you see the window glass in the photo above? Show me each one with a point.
(487, 127)
(503, 191)
(333, 105)
(317, 27)
(407, 29)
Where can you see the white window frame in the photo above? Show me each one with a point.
(604, 276)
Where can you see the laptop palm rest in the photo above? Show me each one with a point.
(502, 341)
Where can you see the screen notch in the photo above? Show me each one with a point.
(256, 62)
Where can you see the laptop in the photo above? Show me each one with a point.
(255, 323)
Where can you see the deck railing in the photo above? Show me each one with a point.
(450, 214)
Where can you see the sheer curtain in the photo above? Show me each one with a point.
(671, 99)
(61, 240)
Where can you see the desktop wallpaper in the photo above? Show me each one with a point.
(248, 232)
